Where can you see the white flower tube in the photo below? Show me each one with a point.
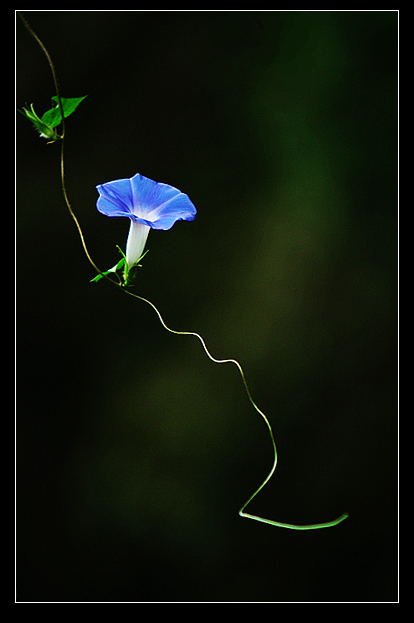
(137, 237)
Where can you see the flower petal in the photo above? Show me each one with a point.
(144, 201)
(115, 198)
(160, 205)
(177, 208)
(148, 194)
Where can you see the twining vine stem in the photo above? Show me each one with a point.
(120, 286)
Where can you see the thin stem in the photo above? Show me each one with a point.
(52, 67)
(62, 160)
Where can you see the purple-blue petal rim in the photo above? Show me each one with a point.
(141, 199)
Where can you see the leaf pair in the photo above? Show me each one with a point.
(53, 117)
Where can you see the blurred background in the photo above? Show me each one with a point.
(134, 451)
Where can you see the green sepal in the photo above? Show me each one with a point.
(122, 253)
(130, 272)
(45, 130)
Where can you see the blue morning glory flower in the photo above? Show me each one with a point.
(148, 205)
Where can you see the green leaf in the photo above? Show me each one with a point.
(106, 272)
(98, 277)
(52, 117)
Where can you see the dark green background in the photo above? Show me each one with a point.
(134, 451)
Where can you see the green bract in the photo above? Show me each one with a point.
(129, 272)
(52, 118)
